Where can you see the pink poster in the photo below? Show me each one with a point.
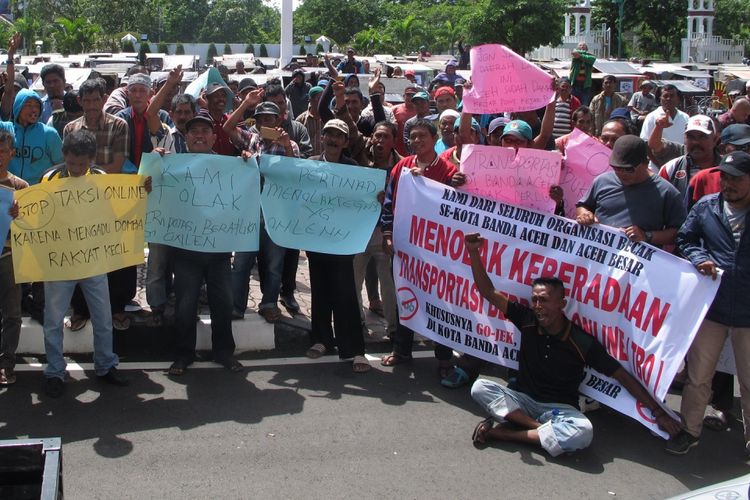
(585, 158)
(521, 179)
(504, 81)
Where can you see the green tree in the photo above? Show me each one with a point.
(319, 49)
(179, 50)
(302, 50)
(28, 27)
(227, 48)
(127, 46)
(263, 50)
(373, 41)
(521, 25)
(163, 48)
(337, 19)
(74, 36)
(249, 48)
(142, 51)
(401, 33)
(211, 53)
(182, 19)
(235, 20)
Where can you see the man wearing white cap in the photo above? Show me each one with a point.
(698, 152)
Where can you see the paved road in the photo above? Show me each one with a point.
(291, 428)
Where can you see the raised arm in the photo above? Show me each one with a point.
(6, 104)
(473, 243)
(548, 122)
(251, 100)
(152, 112)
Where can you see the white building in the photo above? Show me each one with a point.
(701, 46)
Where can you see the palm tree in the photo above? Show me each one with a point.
(74, 36)
(28, 28)
(401, 34)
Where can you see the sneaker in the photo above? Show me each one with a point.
(114, 377)
(681, 443)
(7, 376)
(54, 387)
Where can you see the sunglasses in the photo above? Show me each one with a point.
(624, 170)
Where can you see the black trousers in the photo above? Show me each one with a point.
(333, 294)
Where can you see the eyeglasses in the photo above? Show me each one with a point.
(624, 170)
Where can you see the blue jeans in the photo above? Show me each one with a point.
(271, 266)
(190, 269)
(57, 300)
(563, 429)
(158, 275)
(242, 266)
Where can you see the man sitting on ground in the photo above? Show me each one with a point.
(540, 406)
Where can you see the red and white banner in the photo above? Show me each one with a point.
(643, 304)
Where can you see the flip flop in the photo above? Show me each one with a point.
(360, 364)
(316, 351)
(394, 359)
(480, 430)
(120, 321)
(457, 378)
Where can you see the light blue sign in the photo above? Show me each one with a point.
(319, 206)
(202, 202)
(6, 201)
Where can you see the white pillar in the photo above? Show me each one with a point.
(578, 23)
(286, 33)
(710, 27)
(567, 24)
(587, 24)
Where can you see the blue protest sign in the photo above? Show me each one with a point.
(320, 206)
(202, 202)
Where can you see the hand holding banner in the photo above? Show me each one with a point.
(521, 179)
(585, 159)
(504, 81)
(77, 227)
(203, 202)
(320, 206)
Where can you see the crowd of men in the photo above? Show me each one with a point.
(676, 182)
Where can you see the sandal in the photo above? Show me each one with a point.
(178, 368)
(715, 420)
(270, 314)
(394, 359)
(457, 378)
(316, 351)
(232, 365)
(120, 321)
(360, 364)
(480, 430)
(76, 322)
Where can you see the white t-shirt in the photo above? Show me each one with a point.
(675, 133)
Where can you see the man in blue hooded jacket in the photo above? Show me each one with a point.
(38, 146)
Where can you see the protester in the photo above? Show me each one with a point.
(581, 67)
(191, 269)
(566, 105)
(350, 64)
(72, 110)
(642, 103)
(425, 161)
(540, 405)
(79, 150)
(421, 102)
(604, 103)
(332, 284)
(712, 238)
(678, 120)
(53, 81)
(582, 120)
(660, 209)
(312, 121)
(10, 291)
(446, 122)
(403, 112)
(297, 91)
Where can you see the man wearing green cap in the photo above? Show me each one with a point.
(311, 119)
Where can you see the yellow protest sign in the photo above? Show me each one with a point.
(74, 228)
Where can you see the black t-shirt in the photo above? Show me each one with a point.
(550, 367)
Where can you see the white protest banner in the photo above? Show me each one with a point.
(585, 159)
(203, 202)
(644, 305)
(504, 81)
(522, 178)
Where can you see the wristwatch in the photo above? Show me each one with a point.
(649, 236)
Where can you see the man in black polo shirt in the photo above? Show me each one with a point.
(540, 406)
